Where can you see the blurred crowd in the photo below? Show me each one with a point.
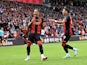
(15, 16)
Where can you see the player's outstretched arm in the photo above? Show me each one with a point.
(56, 21)
(29, 24)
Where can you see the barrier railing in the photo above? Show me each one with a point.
(19, 41)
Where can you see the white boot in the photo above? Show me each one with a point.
(75, 51)
(43, 57)
(27, 58)
(67, 55)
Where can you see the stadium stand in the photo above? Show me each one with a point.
(16, 15)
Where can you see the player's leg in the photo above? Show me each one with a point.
(0, 40)
(70, 47)
(65, 46)
(67, 39)
(30, 38)
(65, 49)
(39, 42)
(28, 51)
(74, 49)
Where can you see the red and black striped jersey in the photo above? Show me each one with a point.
(36, 28)
(68, 25)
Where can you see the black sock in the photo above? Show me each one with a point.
(66, 49)
(28, 50)
(68, 46)
(41, 49)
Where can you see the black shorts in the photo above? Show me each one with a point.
(66, 37)
(34, 38)
(1, 38)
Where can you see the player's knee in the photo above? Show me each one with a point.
(24, 40)
(63, 44)
(28, 44)
(39, 43)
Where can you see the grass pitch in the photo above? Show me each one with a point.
(15, 55)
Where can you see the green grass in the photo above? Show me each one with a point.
(15, 55)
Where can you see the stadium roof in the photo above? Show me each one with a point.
(79, 0)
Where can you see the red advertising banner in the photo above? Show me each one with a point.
(31, 1)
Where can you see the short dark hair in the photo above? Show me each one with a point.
(67, 9)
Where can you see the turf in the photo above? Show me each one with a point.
(14, 55)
